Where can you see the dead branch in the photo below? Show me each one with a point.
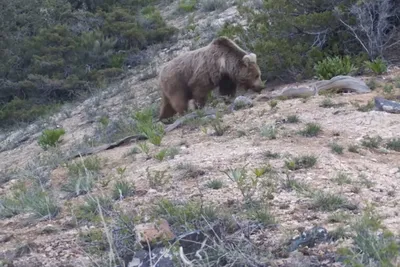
(193, 115)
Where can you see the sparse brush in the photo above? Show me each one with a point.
(371, 142)
(367, 107)
(388, 89)
(215, 184)
(271, 155)
(393, 144)
(161, 154)
(122, 189)
(336, 148)
(269, 131)
(273, 103)
(258, 172)
(311, 130)
(157, 179)
(302, 162)
(373, 244)
(342, 178)
(212, 5)
(290, 183)
(261, 214)
(144, 148)
(353, 149)
(146, 126)
(50, 138)
(292, 119)
(378, 66)
(90, 208)
(326, 201)
(372, 84)
(245, 183)
(218, 126)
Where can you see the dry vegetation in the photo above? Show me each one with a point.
(264, 174)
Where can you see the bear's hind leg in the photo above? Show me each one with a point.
(166, 110)
(179, 102)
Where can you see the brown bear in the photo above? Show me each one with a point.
(222, 63)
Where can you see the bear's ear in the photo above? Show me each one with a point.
(250, 58)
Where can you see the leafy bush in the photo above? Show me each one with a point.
(378, 66)
(50, 138)
(334, 66)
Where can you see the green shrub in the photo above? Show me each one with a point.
(377, 66)
(334, 66)
(50, 138)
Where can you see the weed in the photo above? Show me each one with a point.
(161, 154)
(373, 245)
(333, 66)
(336, 148)
(393, 144)
(353, 149)
(145, 125)
(144, 147)
(187, 214)
(326, 201)
(90, 209)
(122, 189)
(311, 130)
(258, 172)
(292, 119)
(378, 66)
(215, 184)
(328, 103)
(246, 184)
(217, 125)
(293, 184)
(261, 214)
(269, 131)
(342, 178)
(271, 155)
(371, 142)
(372, 84)
(388, 89)
(303, 162)
(212, 5)
(367, 107)
(273, 103)
(338, 217)
(50, 138)
(187, 5)
(157, 179)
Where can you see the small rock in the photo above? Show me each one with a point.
(389, 106)
(153, 232)
(309, 238)
(48, 229)
(242, 102)
(159, 255)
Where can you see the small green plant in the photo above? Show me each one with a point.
(388, 88)
(338, 217)
(326, 201)
(393, 144)
(273, 103)
(50, 138)
(371, 142)
(261, 214)
(290, 183)
(161, 154)
(336, 148)
(217, 125)
(146, 126)
(312, 129)
(303, 162)
(373, 243)
(367, 107)
(333, 66)
(258, 172)
(353, 148)
(372, 84)
(342, 178)
(157, 179)
(397, 82)
(187, 5)
(144, 147)
(292, 119)
(271, 155)
(91, 207)
(378, 66)
(122, 189)
(328, 103)
(268, 131)
(215, 184)
(212, 5)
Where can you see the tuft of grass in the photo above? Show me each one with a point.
(292, 119)
(311, 130)
(268, 131)
(326, 201)
(261, 214)
(372, 84)
(353, 149)
(90, 209)
(336, 148)
(328, 103)
(50, 138)
(212, 5)
(388, 88)
(302, 162)
(82, 175)
(273, 103)
(342, 178)
(371, 142)
(373, 244)
(338, 217)
(377, 66)
(294, 184)
(147, 126)
(393, 144)
(122, 189)
(157, 179)
(187, 5)
(187, 214)
(271, 155)
(215, 184)
(367, 107)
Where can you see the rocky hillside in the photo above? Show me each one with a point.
(302, 181)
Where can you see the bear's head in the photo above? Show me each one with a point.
(249, 76)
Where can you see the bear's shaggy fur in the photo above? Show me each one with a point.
(222, 63)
